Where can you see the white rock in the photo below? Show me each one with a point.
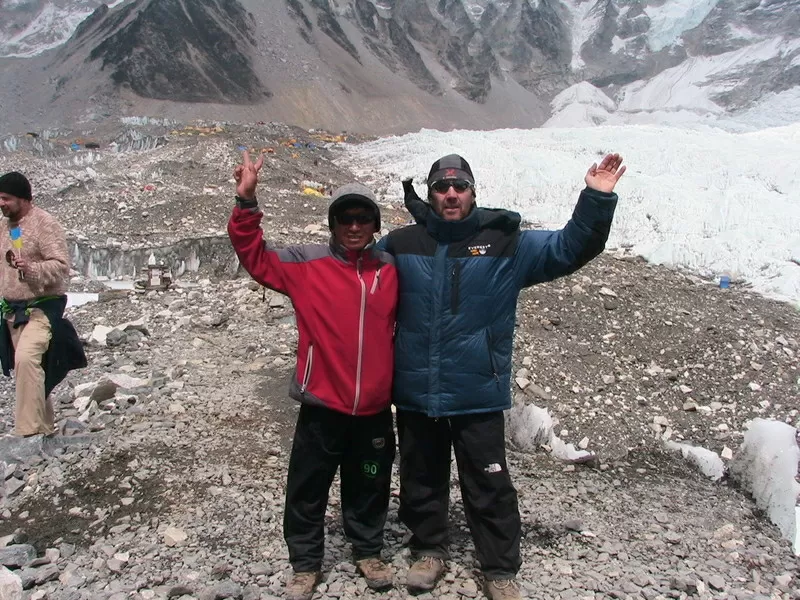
(100, 333)
(81, 404)
(177, 305)
(522, 382)
(126, 381)
(174, 536)
(604, 291)
(83, 387)
(10, 585)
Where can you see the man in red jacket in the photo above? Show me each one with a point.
(345, 298)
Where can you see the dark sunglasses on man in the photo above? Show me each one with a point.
(361, 219)
(459, 185)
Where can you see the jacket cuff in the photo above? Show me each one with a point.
(245, 203)
(600, 195)
(594, 204)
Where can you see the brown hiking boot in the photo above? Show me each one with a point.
(502, 589)
(376, 573)
(302, 585)
(423, 574)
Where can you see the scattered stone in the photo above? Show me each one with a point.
(222, 590)
(574, 525)
(17, 556)
(174, 536)
(716, 582)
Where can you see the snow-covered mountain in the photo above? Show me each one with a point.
(30, 27)
(395, 65)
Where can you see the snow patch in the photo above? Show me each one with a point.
(671, 19)
(586, 17)
(708, 462)
(773, 110)
(690, 85)
(530, 428)
(580, 104)
(49, 29)
(767, 466)
(617, 44)
(582, 93)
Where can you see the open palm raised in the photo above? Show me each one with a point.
(604, 177)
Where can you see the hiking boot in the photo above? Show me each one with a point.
(302, 585)
(376, 573)
(423, 574)
(502, 589)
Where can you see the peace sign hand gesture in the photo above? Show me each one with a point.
(246, 176)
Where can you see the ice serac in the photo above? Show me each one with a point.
(767, 466)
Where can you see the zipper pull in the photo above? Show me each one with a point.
(376, 283)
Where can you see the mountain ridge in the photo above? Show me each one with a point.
(397, 65)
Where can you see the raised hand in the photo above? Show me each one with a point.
(246, 176)
(604, 177)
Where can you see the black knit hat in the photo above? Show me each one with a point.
(16, 184)
(350, 195)
(451, 166)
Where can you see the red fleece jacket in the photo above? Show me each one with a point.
(345, 305)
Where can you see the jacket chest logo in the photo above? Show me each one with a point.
(479, 250)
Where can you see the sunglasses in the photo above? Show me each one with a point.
(361, 219)
(459, 185)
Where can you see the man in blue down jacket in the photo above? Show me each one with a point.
(461, 269)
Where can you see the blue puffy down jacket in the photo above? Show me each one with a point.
(459, 284)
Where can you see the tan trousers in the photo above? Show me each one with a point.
(34, 412)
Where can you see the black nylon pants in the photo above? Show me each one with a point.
(364, 449)
(490, 500)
